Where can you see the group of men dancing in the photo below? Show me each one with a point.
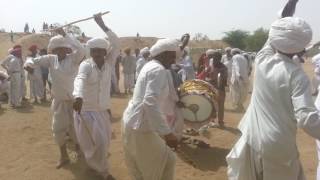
(152, 122)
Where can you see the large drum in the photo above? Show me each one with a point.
(200, 101)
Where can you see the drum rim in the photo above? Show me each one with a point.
(212, 105)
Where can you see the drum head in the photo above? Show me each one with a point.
(198, 108)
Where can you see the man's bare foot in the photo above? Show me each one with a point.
(62, 163)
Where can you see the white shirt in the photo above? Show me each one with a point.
(129, 64)
(239, 68)
(140, 63)
(187, 67)
(13, 64)
(144, 112)
(64, 72)
(93, 84)
(37, 73)
(281, 102)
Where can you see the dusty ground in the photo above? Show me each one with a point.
(28, 152)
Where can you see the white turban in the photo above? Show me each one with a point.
(58, 41)
(101, 43)
(164, 45)
(144, 51)
(210, 52)
(290, 35)
(227, 49)
(235, 50)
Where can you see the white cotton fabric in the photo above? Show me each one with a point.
(93, 131)
(210, 52)
(140, 63)
(58, 41)
(281, 101)
(98, 43)
(164, 45)
(144, 51)
(187, 67)
(290, 35)
(144, 109)
(235, 50)
(227, 61)
(36, 82)
(62, 121)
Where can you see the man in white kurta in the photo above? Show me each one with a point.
(281, 102)
(129, 68)
(143, 59)
(239, 79)
(63, 69)
(316, 77)
(187, 70)
(12, 64)
(145, 130)
(92, 93)
(35, 76)
(227, 61)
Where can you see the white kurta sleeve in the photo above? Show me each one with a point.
(78, 52)
(151, 103)
(305, 111)
(4, 63)
(43, 61)
(266, 51)
(115, 47)
(81, 78)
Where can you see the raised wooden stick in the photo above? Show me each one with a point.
(81, 20)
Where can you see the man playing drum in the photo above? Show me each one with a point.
(218, 78)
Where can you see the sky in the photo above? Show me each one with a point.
(157, 18)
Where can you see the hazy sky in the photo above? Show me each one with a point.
(160, 18)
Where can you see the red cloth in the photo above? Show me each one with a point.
(205, 70)
(33, 48)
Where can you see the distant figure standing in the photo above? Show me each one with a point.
(26, 28)
(11, 36)
(33, 31)
(129, 69)
(145, 53)
(186, 65)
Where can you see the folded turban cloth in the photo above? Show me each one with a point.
(210, 52)
(164, 45)
(16, 50)
(33, 48)
(101, 43)
(235, 50)
(227, 49)
(290, 35)
(58, 41)
(144, 51)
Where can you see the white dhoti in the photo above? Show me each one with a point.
(147, 156)
(239, 92)
(114, 82)
(15, 89)
(62, 121)
(93, 130)
(128, 81)
(244, 163)
(315, 84)
(36, 87)
(23, 87)
(318, 149)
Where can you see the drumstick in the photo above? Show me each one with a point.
(81, 20)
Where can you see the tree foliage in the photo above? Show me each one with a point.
(245, 40)
(236, 38)
(73, 29)
(200, 37)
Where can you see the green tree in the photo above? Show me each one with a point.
(256, 41)
(236, 38)
(73, 29)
